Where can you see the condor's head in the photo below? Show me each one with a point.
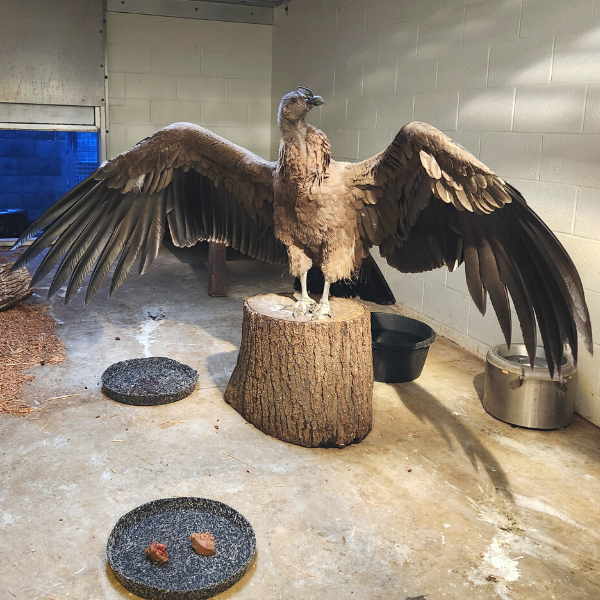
(295, 105)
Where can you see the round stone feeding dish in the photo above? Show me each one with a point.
(186, 575)
(148, 381)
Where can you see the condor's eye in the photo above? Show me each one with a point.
(294, 99)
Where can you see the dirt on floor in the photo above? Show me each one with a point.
(27, 338)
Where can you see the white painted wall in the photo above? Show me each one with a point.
(163, 70)
(517, 82)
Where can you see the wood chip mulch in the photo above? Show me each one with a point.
(26, 338)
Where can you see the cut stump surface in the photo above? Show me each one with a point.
(305, 382)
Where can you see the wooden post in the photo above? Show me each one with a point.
(217, 270)
(14, 287)
(305, 382)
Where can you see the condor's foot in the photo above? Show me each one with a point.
(304, 306)
(321, 310)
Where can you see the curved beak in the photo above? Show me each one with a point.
(315, 101)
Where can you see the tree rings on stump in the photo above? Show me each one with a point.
(305, 382)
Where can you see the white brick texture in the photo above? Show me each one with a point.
(550, 108)
(438, 108)
(542, 16)
(587, 217)
(522, 62)
(344, 144)
(417, 74)
(512, 154)
(382, 12)
(399, 40)
(162, 70)
(394, 111)
(147, 85)
(486, 110)
(446, 306)
(373, 141)
(172, 111)
(408, 289)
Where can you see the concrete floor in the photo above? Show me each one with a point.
(439, 501)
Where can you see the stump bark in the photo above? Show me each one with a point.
(14, 287)
(305, 382)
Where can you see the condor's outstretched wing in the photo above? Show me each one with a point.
(427, 202)
(205, 187)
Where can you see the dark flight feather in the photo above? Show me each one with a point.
(113, 248)
(58, 208)
(506, 248)
(89, 204)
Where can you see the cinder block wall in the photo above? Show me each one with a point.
(517, 82)
(163, 70)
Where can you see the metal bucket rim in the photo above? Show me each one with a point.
(526, 371)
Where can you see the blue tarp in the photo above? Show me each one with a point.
(38, 167)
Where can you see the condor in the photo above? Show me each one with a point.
(425, 201)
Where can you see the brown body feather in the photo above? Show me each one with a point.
(311, 212)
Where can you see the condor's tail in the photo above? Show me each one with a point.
(370, 285)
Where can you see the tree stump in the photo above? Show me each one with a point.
(305, 382)
(14, 287)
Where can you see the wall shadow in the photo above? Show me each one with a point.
(220, 367)
(428, 409)
(478, 382)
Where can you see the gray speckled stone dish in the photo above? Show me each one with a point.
(186, 575)
(148, 381)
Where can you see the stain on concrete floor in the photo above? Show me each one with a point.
(440, 500)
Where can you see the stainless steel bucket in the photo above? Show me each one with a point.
(517, 394)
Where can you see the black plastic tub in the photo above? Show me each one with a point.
(400, 347)
(13, 222)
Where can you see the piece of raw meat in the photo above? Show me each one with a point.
(157, 553)
(203, 543)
